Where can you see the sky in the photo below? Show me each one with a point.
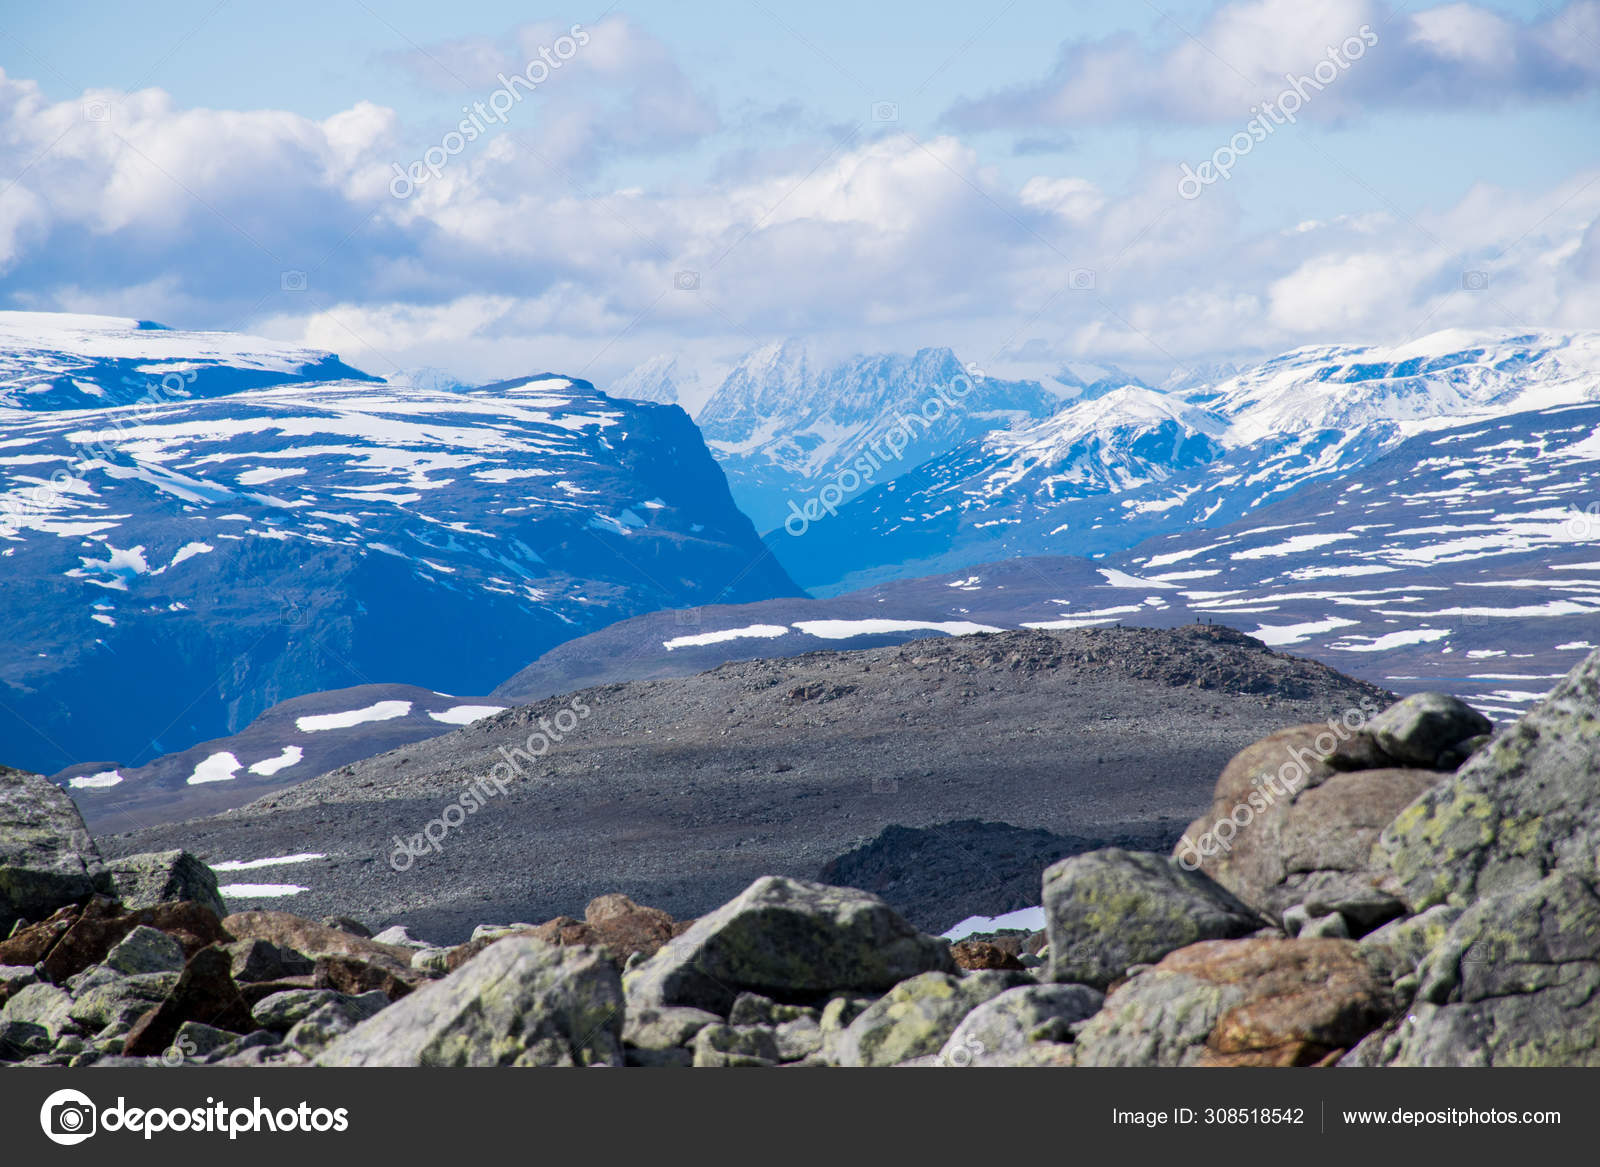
(1159, 186)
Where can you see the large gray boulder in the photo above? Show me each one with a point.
(791, 940)
(160, 877)
(916, 1017)
(520, 1002)
(1514, 982)
(1106, 911)
(1526, 806)
(1428, 730)
(1001, 1031)
(47, 859)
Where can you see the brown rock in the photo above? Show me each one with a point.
(102, 924)
(316, 940)
(261, 990)
(344, 974)
(205, 993)
(262, 960)
(980, 954)
(1288, 825)
(30, 944)
(624, 927)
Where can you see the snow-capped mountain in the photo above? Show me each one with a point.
(54, 360)
(784, 426)
(173, 570)
(1311, 414)
(665, 379)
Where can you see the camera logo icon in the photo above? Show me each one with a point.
(686, 281)
(885, 111)
(1081, 279)
(68, 1117)
(1474, 281)
(292, 281)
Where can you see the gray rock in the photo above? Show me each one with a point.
(1332, 926)
(333, 1019)
(433, 961)
(1524, 807)
(788, 939)
(280, 1011)
(196, 1040)
(1423, 729)
(798, 1039)
(998, 1031)
(160, 877)
(262, 960)
(1408, 940)
(1107, 910)
(916, 1017)
(145, 950)
(20, 1040)
(664, 1027)
(400, 938)
(1515, 982)
(735, 1045)
(104, 998)
(520, 1002)
(47, 859)
(14, 976)
(43, 1005)
(754, 1009)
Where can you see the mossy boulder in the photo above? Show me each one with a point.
(47, 859)
(917, 1017)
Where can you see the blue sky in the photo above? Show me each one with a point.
(864, 176)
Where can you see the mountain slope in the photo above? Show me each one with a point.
(1306, 416)
(784, 427)
(53, 360)
(173, 571)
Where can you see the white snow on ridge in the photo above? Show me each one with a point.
(100, 781)
(844, 629)
(1392, 640)
(467, 714)
(267, 767)
(1121, 579)
(380, 711)
(700, 639)
(260, 891)
(1277, 634)
(218, 767)
(274, 861)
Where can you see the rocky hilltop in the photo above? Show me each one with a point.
(1389, 887)
(682, 792)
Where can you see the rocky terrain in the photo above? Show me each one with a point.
(681, 792)
(1390, 887)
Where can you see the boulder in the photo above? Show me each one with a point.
(163, 877)
(735, 1045)
(1514, 982)
(1287, 826)
(47, 859)
(1427, 730)
(31, 943)
(332, 1020)
(344, 974)
(400, 937)
(521, 1002)
(14, 977)
(205, 992)
(259, 960)
(791, 940)
(1108, 910)
(281, 1011)
(1519, 810)
(23, 1039)
(1241, 1003)
(316, 940)
(981, 954)
(349, 925)
(665, 1027)
(754, 1009)
(625, 927)
(916, 1017)
(46, 1006)
(1000, 1031)
(102, 925)
(145, 950)
(109, 999)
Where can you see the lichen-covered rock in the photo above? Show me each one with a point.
(735, 1045)
(1514, 982)
(1408, 940)
(280, 1011)
(204, 992)
(47, 859)
(163, 877)
(520, 1002)
(105, 998)
(788, 939)
(664, 1027)
(47, 1006)
(1241, 1003)
(333, 1019)
(1425, 729)
(754, 1009)
(1107, 910)
(1291, 822)
(1000, 1031)
(1522, 808)
(916, 1017)
(145, 950)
